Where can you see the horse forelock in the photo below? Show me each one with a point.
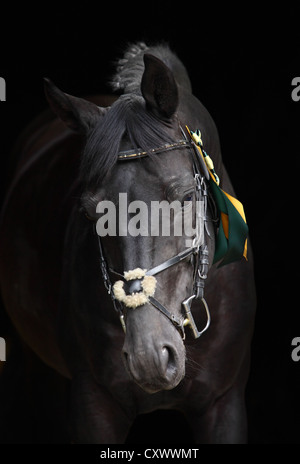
(127, 117)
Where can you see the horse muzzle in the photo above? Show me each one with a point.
(155, 358)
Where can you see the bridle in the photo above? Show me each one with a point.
(198, 248)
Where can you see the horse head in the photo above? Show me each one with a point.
(138, 170)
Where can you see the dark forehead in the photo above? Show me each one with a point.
(156, 172)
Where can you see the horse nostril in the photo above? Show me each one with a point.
(125, 358)
(169, 359)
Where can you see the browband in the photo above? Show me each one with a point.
(139, 153)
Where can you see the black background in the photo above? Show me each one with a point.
(241, 62)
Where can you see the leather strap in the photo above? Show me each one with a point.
(170, 262)
(139, 153)
(175, 321)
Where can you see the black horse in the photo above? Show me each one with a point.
(57, 273)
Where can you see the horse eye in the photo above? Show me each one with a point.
(89, 217)
(83, 211)
(187, 200)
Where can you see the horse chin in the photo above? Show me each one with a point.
(152, 388)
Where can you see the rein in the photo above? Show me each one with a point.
(140, 284)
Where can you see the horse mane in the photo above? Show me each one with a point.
(130, 68)
(128, 116)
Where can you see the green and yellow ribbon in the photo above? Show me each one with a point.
(231, 241)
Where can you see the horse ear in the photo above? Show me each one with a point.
(159, 87)
(78, 114)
